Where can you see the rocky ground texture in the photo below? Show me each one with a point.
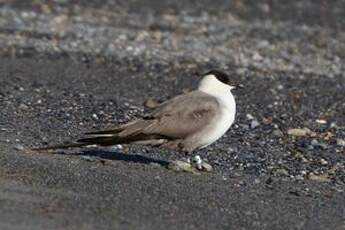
(68, 67)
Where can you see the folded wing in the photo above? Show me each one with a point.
(177, 118)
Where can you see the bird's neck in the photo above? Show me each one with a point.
(213, 87)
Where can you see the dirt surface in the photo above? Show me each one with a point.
(68, 67)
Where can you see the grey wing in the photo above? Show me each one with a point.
(183, 115)
(175, 119)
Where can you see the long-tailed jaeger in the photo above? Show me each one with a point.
(184, 123)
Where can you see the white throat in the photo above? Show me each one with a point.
(211, 85)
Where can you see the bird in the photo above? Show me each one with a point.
(185, 123)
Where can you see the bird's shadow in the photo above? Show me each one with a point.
(117, 156)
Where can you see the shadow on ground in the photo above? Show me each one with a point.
(117, 156)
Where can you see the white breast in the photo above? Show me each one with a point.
(222, 122)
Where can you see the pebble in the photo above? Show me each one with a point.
(320, 121)
(155, 165)
(341, 142)
(299, 177)
(95, 116)
(319, 178)
(282, 172)
(116, 147)
(323, 161)
(183, 166)
(333, 125)
(300, 132)
(179, 166)
(232, 150)
(19, 147)
(254, 124)
(151, 103)
(88, 158)
(206, 167)
(257, 57)
(244, 126)
(280, 87)
(316, 143)
(277, 133)
(249, 116)
(23, 106)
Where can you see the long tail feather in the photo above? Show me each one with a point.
(101, 140)
(105, 132)
(129, 133)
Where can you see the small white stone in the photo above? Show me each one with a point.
(333, 125)
(180, 166)
(323, 161)
(206, 167)
(19, 147)
(280, 87)
(257, 57)
(299, 177)
(249, 116)
(254, 124)
(299, 132)
(129, 48)
(320, 121)
(340, 142)
(155, 165)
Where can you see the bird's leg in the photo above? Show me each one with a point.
(198, 162)
(188, 165)
(186, 156)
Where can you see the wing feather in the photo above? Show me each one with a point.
(175, 119)
(183, 115)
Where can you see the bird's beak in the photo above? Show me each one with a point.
(239, 86)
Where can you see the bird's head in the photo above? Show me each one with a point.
(216, 80)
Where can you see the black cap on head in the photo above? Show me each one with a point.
(220, 75)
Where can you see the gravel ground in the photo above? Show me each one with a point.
(73, 66)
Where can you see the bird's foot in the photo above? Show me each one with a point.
(190, 165)
(200, 164)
